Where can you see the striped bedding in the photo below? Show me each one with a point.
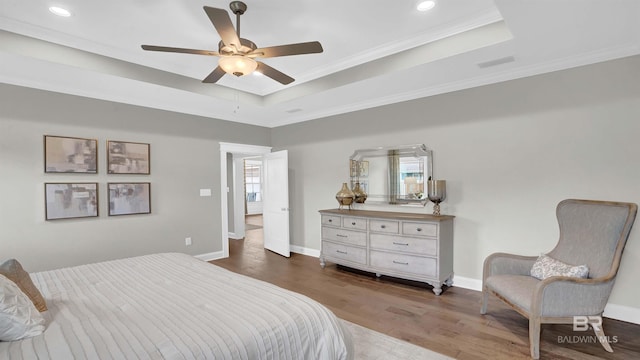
(173, 306)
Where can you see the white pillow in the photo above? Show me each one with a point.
(19, 318)
(547, 266)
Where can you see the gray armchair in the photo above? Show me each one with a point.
(592, 233)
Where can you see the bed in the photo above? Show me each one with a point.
(174, 306)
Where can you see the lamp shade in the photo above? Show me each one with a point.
(237, 65)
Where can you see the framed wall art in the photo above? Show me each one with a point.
(353, 168)
(363, 168)
(128, 158)
(358, 169)
(129, 198)
(70, 200)
(70, 155)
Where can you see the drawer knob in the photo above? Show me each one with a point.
(343, 236)
(397, 243)
(330, 220)
(353, 223)
(400, 262)
(419, 229)
(341, 252)
(383, 226)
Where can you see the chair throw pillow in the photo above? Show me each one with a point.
(14, 272)
(547, 266)
(19, 318)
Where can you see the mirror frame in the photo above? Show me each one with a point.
(415, 151)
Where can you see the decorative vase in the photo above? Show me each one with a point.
(345, 196)
(359, 195)
(436, 192)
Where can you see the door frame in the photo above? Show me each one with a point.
(235, 149)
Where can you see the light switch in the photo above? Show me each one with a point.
(205, 192)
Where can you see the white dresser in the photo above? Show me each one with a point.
(404, 245)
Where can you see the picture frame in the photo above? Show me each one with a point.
(353, 168)
(70, 200)
(129, 198)
(63, 154)
(358, 169)
(128, 158)
(363, 168)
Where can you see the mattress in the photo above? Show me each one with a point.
(173, 306)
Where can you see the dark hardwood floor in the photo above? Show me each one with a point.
(450, 324)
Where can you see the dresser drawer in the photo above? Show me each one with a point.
(384, 226)
(419, 229)
(405, 244)
(354, 223)
(349, 237)
(404, 263)
(344, 252)
(331, 220)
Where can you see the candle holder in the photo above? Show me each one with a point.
(436, 193)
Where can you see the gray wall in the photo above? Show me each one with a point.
(509, 152)
(185, 157)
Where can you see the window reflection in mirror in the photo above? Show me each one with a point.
(393, 175)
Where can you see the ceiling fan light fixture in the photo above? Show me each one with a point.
(237, 65)
(425, 5)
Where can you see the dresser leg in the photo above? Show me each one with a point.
(378, 275)
(322, 263)
(437, 289)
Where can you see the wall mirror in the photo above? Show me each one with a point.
(392, 175)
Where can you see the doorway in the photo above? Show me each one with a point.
(231, 189)
(275, 196)
(253, 219)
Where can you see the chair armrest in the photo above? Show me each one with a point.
(507, 264)
(562, 296)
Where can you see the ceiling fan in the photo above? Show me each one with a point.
(238, 55)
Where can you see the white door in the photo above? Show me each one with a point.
(275, 197)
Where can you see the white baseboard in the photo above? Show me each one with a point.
(467, 283)
(210, 256)
(611, 311)
(305, 251)
(622, 313)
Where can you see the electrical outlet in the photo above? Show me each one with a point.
(187, 241)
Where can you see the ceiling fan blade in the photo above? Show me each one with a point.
(312, 47)
(215, 75)
(222, 22)
(276, 75)
(179, 50)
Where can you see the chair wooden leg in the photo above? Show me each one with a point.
(485, 299)
(597, 328)
(534, 337)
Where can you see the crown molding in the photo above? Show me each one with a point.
(629, 49)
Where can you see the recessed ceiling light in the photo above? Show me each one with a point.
(60, 11)
(426, 5)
